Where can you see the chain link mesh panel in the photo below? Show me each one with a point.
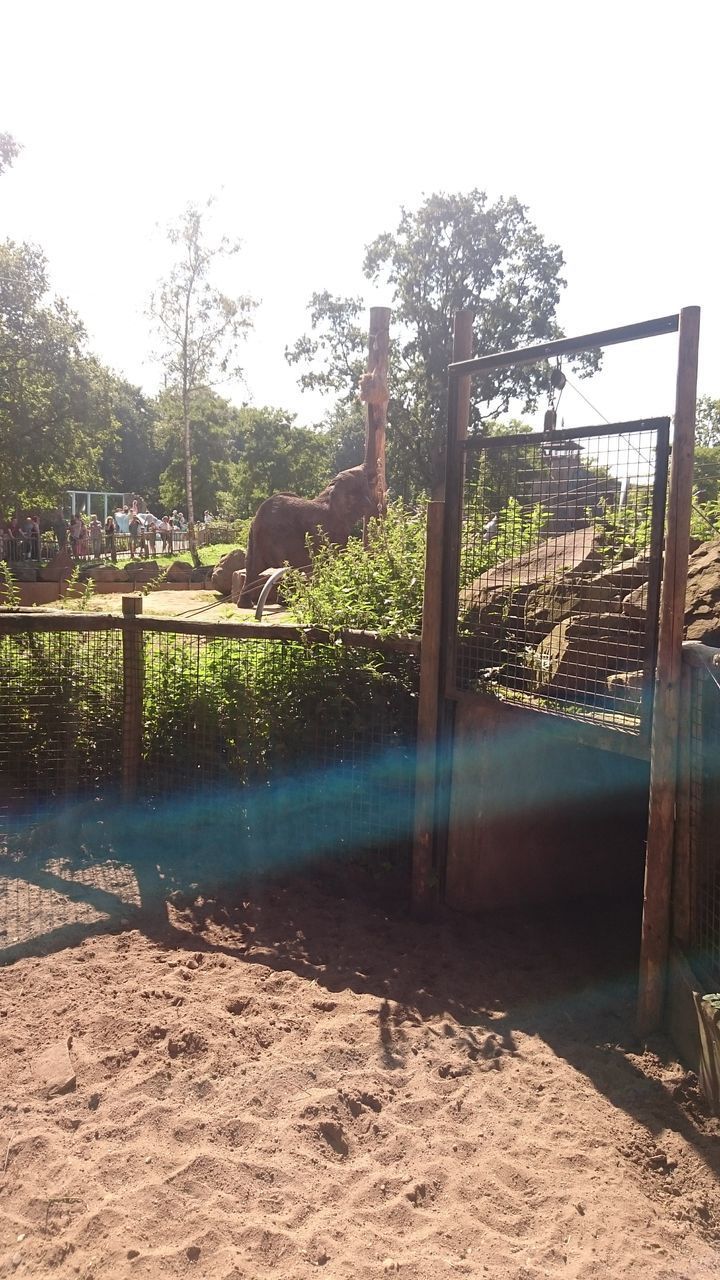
(61, 703)
(559, 570)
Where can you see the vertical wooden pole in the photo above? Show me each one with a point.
(374, 393)
(424, 883)
(458, 422)
(663, 757)
(682, 851)
(132, 641)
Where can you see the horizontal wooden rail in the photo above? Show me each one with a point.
(567, 346)
(15, 621)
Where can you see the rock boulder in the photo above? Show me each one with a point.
(179, 571)
(143, 570)
(225, 568)
(579, 654)
(58, 569)
(109, 573)
(702, 600)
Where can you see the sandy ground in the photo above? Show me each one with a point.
(203, 606)
(298, 1082)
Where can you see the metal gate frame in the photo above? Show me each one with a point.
(590, 733)
(460, 373)
(437, 698)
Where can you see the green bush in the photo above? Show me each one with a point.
(378, 588)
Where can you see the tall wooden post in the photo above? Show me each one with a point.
(458, 423)
(666, 713)
(374, 394)
(132, 641)
(424, 883)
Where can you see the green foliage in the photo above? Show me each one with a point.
(269, 454)
(213, 425)
(61, 709)
(705, 519)
(706, 473)
(54, 416)
(707, 422)
(10, 586)
(624, 532)
(454, 252)
(79, 592)
(375, 589)
(262, 706)
(518, 529)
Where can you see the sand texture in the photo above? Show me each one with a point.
(301, 1084)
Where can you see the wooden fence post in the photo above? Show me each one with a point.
(132, 642)
(424, 886)
(374, 393)
(666, 712)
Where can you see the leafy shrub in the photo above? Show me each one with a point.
(378, 588)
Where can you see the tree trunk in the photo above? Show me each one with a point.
(188, 480)
(374, 394)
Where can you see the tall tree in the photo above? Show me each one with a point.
(213, 425)
(54, 419)
(199, 326)
(454, 252)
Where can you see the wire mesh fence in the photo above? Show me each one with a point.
(314, 739)
(61, 702)
(559, 569)
(704, 816)
(307, 746)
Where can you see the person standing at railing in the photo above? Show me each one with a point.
(110, 543)
(134, 529)
(34, 538)
(95, 532)
(77, 537)
(151, 538)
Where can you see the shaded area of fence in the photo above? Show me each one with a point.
(698, 844)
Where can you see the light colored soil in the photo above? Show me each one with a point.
(203, 606)
(298, 1083)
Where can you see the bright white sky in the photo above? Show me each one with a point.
(314, 122)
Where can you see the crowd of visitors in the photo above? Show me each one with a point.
(20, 537)
(127, 530)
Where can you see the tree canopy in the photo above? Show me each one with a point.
(54, 411)
(455, 252)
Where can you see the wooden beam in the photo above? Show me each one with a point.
(682, 849)
(666, 712)
(567, 346)
(457, 429)
(375, 395)
(424, 882)
(16, 620)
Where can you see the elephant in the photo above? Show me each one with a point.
(283, 522)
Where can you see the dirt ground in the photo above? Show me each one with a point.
(203, 606)
(298, 1082)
